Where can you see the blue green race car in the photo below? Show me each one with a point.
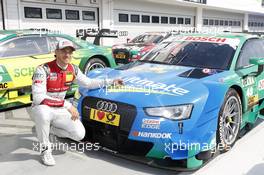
(187, 99)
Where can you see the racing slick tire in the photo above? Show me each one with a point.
(229, 121)
(94, 63)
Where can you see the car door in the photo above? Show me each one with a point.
(20, 57)
(253, 86)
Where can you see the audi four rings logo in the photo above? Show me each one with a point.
(106, 106)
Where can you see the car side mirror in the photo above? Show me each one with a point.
(128, 39)
(259, 62)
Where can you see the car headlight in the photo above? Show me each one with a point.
(179, 112)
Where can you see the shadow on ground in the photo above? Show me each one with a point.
(19, 148)
(11, 146)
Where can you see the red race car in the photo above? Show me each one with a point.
(137, 47)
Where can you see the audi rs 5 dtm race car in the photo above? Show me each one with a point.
(190, 95)
(22, 51)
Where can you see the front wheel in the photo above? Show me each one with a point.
(229, 121)
(94, 63)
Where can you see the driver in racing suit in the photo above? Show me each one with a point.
(51, 113)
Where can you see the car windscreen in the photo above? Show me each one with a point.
(24, 46)
(194, 54)
(146, 39)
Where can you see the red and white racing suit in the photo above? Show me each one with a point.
(49, 108)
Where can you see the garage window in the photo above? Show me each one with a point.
(221, 22)
(155, 19)
(134, 18)
(123, 17)
(172, 20)
(72, 14)
(180, 20)
(145, 19)
(211, 22)
(226, 23)
(230, 23)
(216, 22)
(25, 46)
(32, 12)
(164, 20)
(187, 21)
(205, 22)
(53, 13)
(88, 15)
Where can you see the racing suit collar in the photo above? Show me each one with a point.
(62, 68)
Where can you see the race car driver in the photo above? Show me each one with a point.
(50, 112)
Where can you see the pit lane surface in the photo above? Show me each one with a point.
(17, 154)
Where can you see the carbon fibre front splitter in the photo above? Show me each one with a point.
(167, 164)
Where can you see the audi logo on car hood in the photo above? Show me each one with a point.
(106, 106)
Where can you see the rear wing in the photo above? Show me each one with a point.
(98, 34)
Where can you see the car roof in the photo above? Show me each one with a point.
(29, 32)
(155, 33)
(240, 36)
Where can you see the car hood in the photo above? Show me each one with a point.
(131, 46)
(155, 84)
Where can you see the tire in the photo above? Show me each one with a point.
(94, 63)
(229, 121)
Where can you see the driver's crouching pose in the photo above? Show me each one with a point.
(51, 113)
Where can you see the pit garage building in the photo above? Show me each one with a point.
(135, 16)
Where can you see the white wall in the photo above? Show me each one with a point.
(151, 9)
(63, 25)
(247, 5)
(15, 18)
(256, 19)
(69, 2)
(220, 15)
(11, 14)
(146, 6)
(1, 18)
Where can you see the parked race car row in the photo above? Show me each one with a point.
(183, 96)
(18, 48)
(22, 51)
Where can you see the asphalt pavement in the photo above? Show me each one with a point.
(19, 154)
